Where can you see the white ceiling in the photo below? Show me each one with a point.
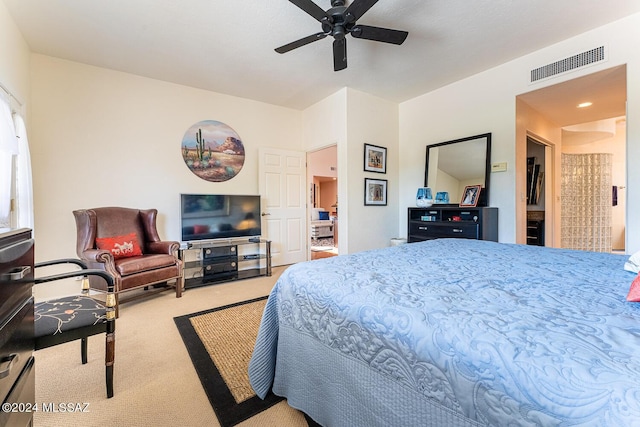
(228, 46)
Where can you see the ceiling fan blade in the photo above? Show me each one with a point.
(339, 54)
(298, 43)
(311, 8)
(359, 8)
(378, 34)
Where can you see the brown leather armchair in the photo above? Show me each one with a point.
(136, 261)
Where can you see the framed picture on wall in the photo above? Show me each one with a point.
(375, 158)
(375, 192)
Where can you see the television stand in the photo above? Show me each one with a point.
(205, 263)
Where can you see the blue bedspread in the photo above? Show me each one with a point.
(489, 333)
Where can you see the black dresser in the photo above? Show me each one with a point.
(17, 370)
(452, 221)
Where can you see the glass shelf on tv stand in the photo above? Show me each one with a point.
(199, 244)
(232, 259)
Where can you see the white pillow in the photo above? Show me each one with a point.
(315, 214)
(633, 264)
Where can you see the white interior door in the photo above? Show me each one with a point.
(282, 175)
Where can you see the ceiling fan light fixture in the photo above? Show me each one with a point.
(340, 20)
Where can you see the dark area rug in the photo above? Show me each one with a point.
(220, 342)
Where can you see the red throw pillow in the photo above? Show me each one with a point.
(120, 246)
(634, 292)
(200, 229)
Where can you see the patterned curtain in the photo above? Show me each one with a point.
(586, 202)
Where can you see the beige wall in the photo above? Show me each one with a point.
(323, 162)
(349, 119)
(14, 59)
(325, 122)
(103, 138)
(480, 104)
(370, 120)
(486, 102)
(328, 196)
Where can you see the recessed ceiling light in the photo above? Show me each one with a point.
(585, 104)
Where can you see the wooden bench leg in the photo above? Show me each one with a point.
(83, 350)
(109, 374)
(109, 361)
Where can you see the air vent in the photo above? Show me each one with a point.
(568, 64)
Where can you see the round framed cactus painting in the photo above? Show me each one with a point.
(213, 151)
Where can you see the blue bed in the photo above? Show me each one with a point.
(454, 332)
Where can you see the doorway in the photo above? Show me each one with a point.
(536, 194)
(598, 221)
(555, 113)
(322, 176)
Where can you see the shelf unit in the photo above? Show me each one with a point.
(435, 222)
(535, 232)
(207, 263)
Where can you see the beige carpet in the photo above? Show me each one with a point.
(155, 382)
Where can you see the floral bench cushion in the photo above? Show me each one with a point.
(63, 314)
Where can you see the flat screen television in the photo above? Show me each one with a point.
(219, 216)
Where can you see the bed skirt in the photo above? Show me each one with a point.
(397, 405)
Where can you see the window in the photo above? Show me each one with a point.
(8, 150)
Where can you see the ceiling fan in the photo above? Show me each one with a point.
(339, 21)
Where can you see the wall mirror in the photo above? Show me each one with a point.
(452, 165)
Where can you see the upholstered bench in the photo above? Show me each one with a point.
(70, 318)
